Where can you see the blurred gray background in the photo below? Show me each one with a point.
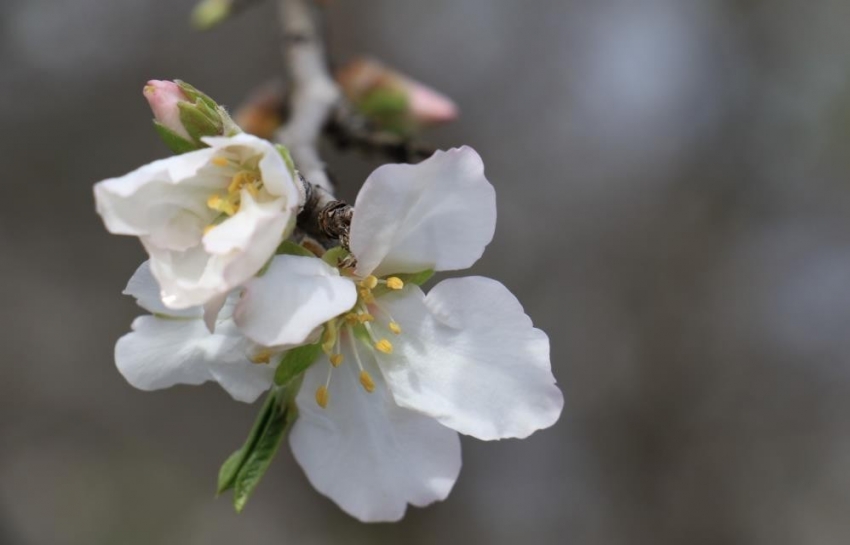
(674, 210)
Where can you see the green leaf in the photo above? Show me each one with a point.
(174, 141)
(295, 362)
(336, 254)
(229, 470)
(287, 247)
(282, 416)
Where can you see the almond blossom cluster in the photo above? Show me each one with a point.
(374, 377)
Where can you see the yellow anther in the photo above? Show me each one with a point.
(351, 318)
(395, 283)
(263, 356)
(222, 205)
(220, 161)
(365, 317)
(384, 346)
(322, 396)
(367, 296)
(395, 328)
(367, 382)
(369, 282)
(241, 179)
(336, 359)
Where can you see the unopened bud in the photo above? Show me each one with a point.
(392, 100)
(163, 97)
(183, 115)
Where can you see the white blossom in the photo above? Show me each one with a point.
(172, 347)
(209, 219)
(405, 371)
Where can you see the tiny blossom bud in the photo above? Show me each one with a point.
(391, 99)
(183, 115)
(163, 97)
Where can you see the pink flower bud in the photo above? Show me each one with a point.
(163, 97)
(425, 106)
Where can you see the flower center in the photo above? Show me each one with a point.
(360, 325)
(245, 175)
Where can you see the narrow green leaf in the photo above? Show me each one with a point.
(260, 457)
(295, 362)
(287, 247)
(174, 141)
(230, 468)
(336, 254)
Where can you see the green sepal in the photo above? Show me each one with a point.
(335, 255)
(287, 247)
(196, 123)
(417, 278)
(230, 468)
(287, 158)
(295, 362)
(194, 95)
(174, 141)
(389, 108)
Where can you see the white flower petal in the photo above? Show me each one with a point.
(212, 309)
(276, 176)
(470, 357)
(367, 454)
(438, 214)
(162, 352)
(167, 205)
(294, 296)
(241, 378)
(164, 201)
(232, 253)
(144, 287)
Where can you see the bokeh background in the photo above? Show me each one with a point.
(674, 210)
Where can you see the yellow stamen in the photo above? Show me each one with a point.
(336, 359)
(351, 318)
(365, 317)
(241, 179)
(384, 346)
(220, 161)
(214, 201)
(369, 282)
(263, 356)
(367, 296)
(395, 328)
(322, 396)
(395, 283)
(329, 337)
(208, 228)
(367, 382)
